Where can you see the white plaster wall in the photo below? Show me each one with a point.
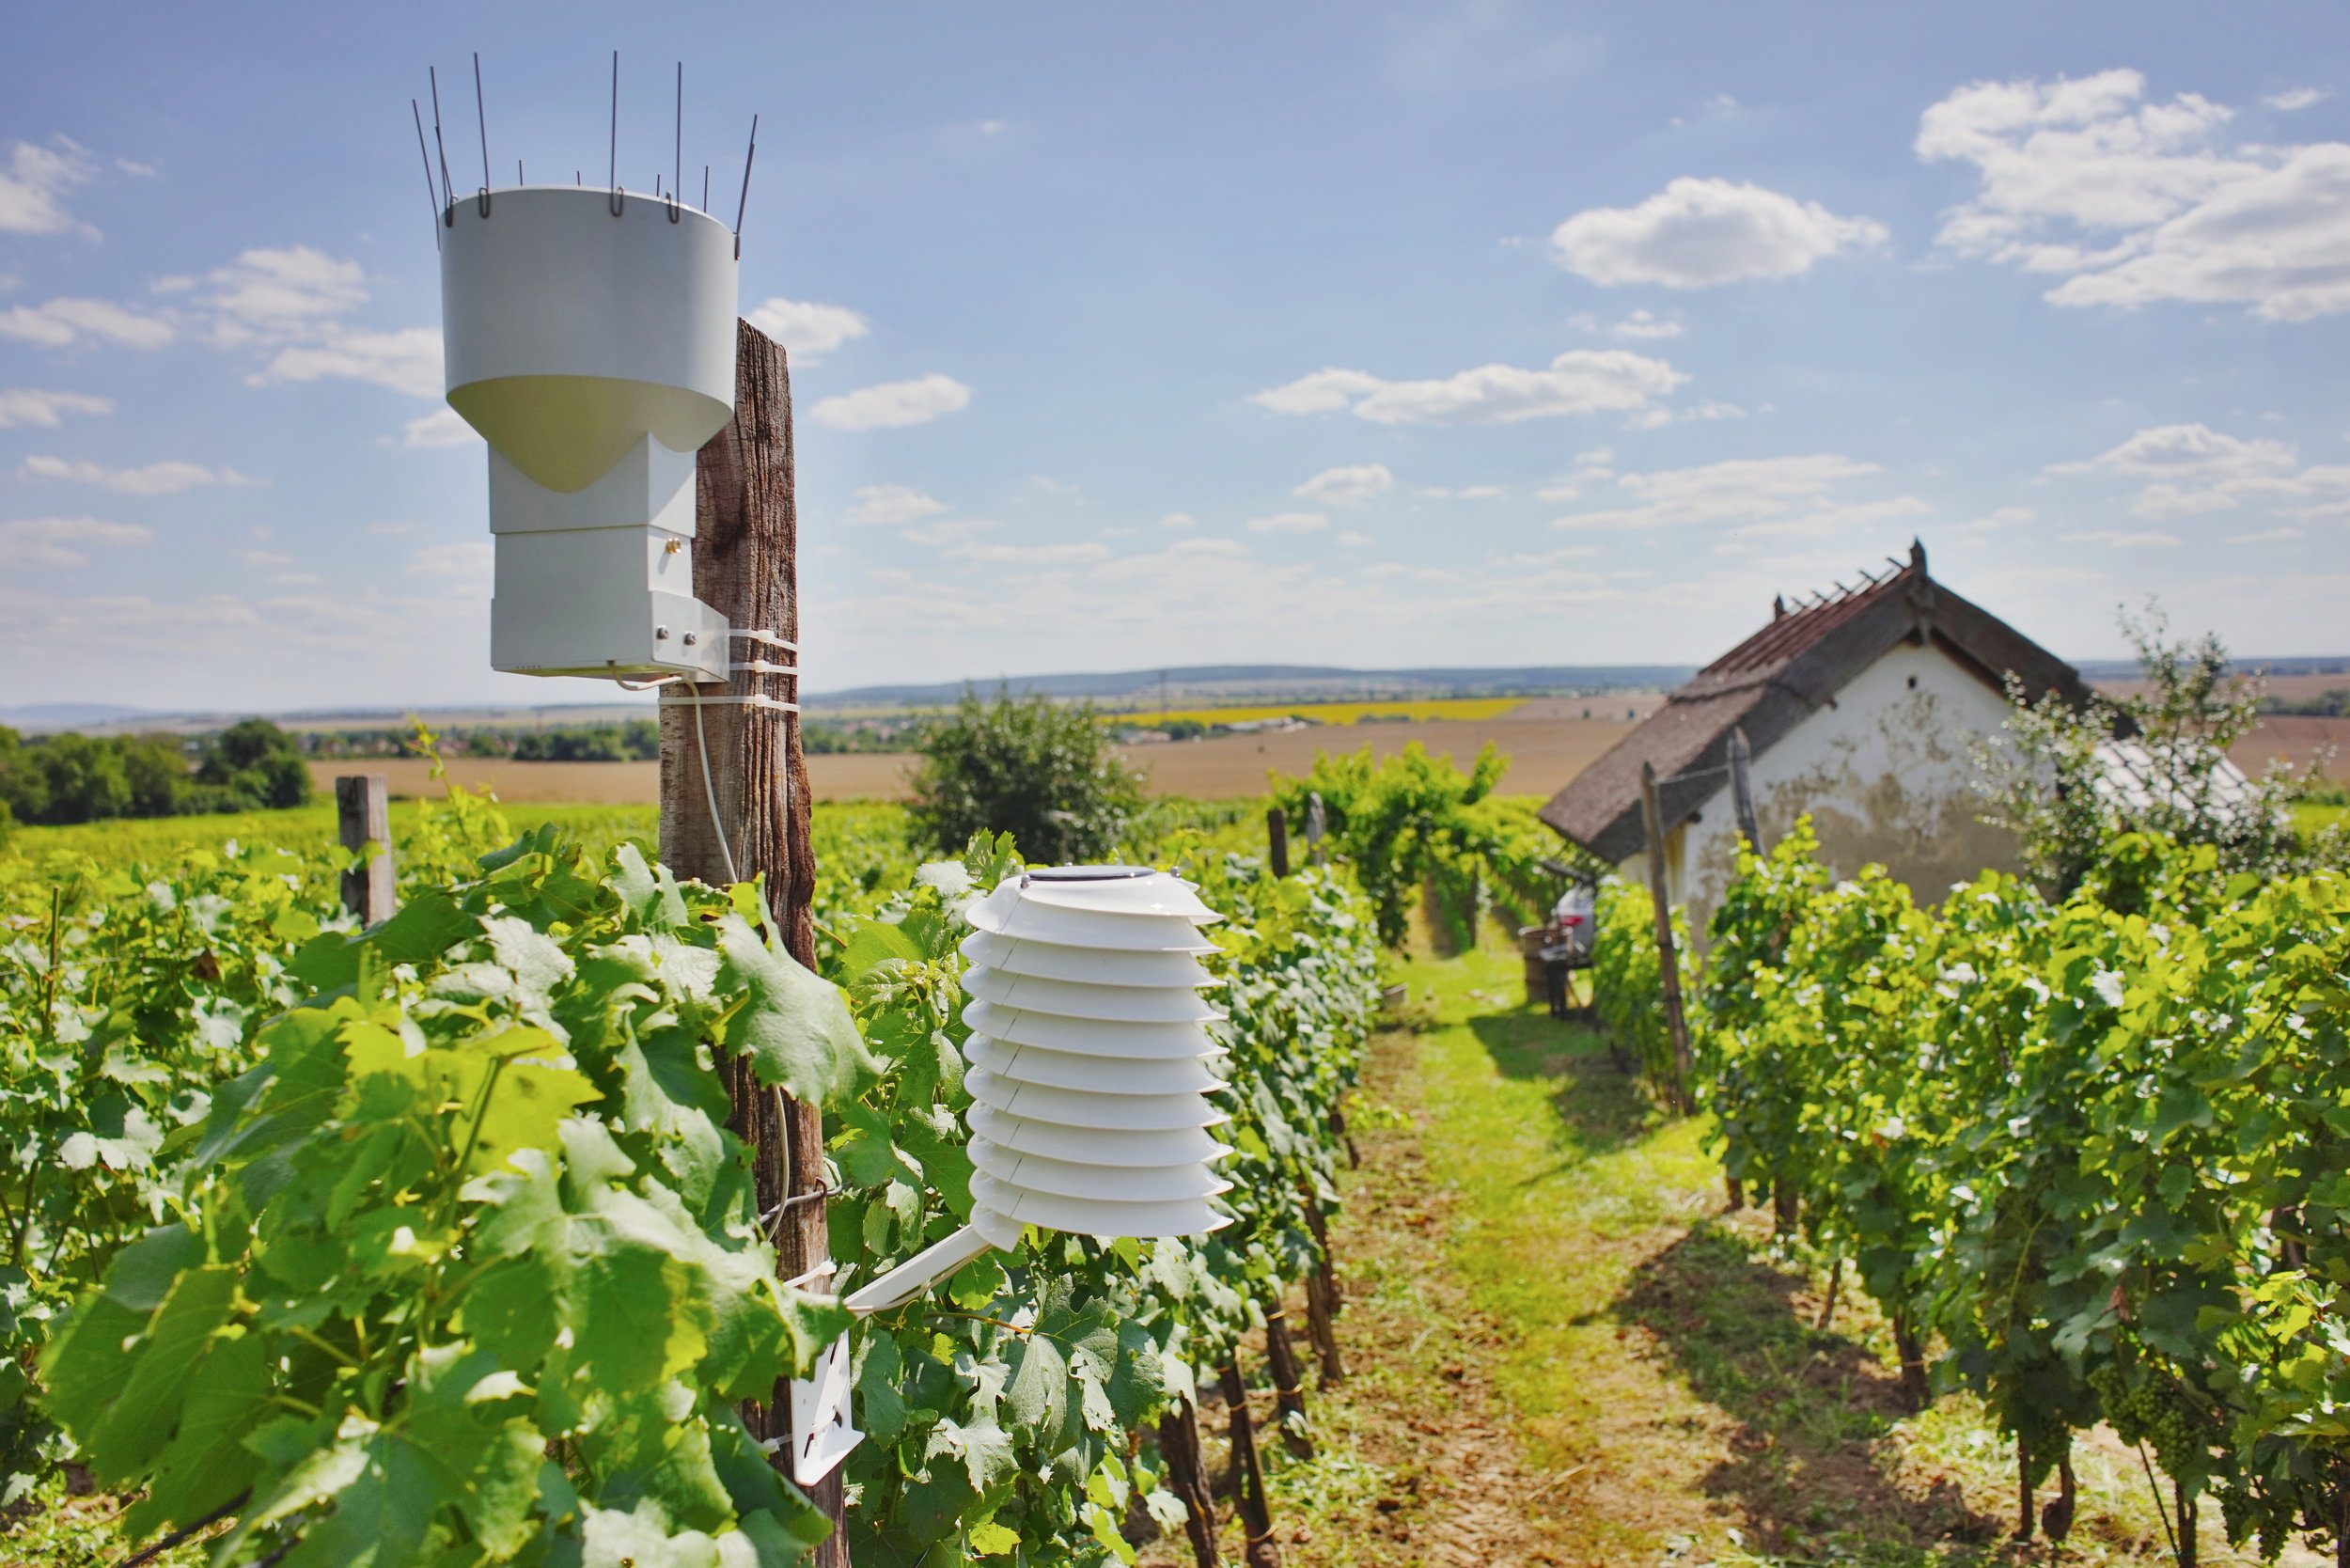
(1887, 772)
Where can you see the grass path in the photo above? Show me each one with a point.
(1563, 1350)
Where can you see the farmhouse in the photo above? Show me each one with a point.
(1861, 707)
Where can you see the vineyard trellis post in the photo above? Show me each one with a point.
(1277, 831)
(1667, 966)
(363, 816)
(748, 817)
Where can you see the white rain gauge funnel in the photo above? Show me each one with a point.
(589, 339)
(1090, 1066)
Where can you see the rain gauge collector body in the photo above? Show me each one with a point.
(589, 336)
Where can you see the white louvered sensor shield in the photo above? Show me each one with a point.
(1090, 1063)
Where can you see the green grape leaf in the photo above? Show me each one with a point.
(794, 1026)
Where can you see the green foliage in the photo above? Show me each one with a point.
(2051, 779)
(637, 739)
(1627, 978)
(1415, 818)
(467, 1268)
(1048, 774)
(2097, 1146)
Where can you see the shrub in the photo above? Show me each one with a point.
(1047, 774)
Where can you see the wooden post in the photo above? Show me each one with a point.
(1187, 1474)
(746, 526)
(1668, 968)
(1289, 1391)
(363, 814)
(1742, 788)
(1248, 1494)
(1277, 831)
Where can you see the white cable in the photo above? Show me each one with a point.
(709, 790)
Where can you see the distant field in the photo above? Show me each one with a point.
(1331, 712)
(303, 828)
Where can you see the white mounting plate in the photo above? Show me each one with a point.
(822, 1435)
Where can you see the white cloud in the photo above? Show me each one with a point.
(1289, 523)
(1997, 518)
(1348, 486)
(1641, 324)
(2293, 98)
(1031, 555)
(63, 320)
(22, 406)
(893, 404)
(1465, 492)
(890, 506)
(1709, 408)
(262, 560)
(2151, 539)
(154, 478)
(1697, 233)
(1354, 540)
(470, 560)
(32, 184)
(60, 540)
(273, 295)
(806, 330)
(1178, 520)
(443, 427)
(2193, 469)
(407, 360)
(2130, 203)
(1763, 496)
(1581, 381)
(949, 535)
(2267, 535)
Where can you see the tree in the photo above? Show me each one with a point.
(2066, 781)
(81, 780)
(259, 761)
(1047, 774)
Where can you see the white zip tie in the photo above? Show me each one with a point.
(768, 638)
(760, 666)
(768, 703)
(827, 1268)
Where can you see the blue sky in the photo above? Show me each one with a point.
(1351, 334)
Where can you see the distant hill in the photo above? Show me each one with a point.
(66, 716)
(1228, 683)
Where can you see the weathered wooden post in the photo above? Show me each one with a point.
(363, 816)
(1277, 831)
(1668, 968)
(1249, 1500)
(1742, 788)
(748, 817)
